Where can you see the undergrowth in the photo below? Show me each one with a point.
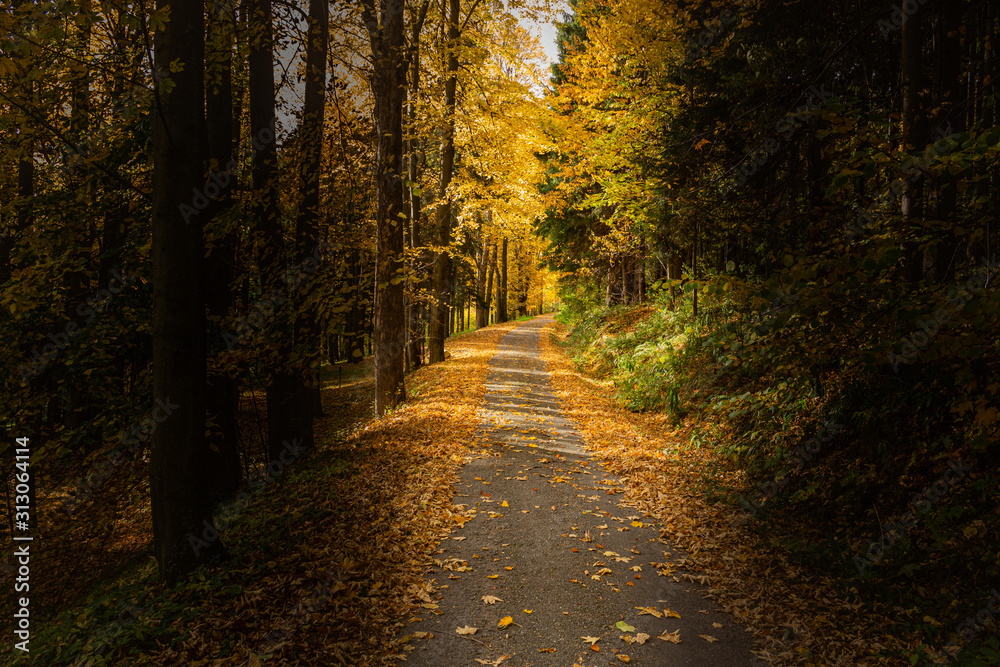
(885, 481)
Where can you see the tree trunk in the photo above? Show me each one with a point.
(482, 266)
(952, 99)
(413, 164)
(222, 395)
(674, 269)
(281, 399)
(354, 330)
(442, 271)
(181, 508)
(489, 283)
(305, 327)
(913, 134)
(502, 296)
(388, 81)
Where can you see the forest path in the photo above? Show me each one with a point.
(548, 537)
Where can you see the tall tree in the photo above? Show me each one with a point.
(442, 271)
(305, 327)
(414, 161)
(284, 421)
(385, 33)
(222, 398)
(913, 133)
(181, 507)
(502, 291)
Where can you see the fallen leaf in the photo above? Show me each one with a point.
(708, 638)
(504, 504)
(528, 611)
(716, 625)
(491, 599)
(493, 576)
(670, 614)
(652, 611)
(623, 657)
(467, 630)
(494, 663)
(591, 640)
(641, 638)
(624, 627)
(674, 637)
(505, 621)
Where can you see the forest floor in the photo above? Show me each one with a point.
(510, 494)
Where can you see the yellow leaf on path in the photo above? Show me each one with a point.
(641, 638)
(467, 630)
(493, 576)
(670, 614)
(716, 625)
(636, 524)
(505, 621)
(493, 663)
(491, 599)
(674, 637)
(528, 611)
(623, 657)
(508, 568)
(422, 635)
(652, 611)
(591, 640)
(708, 638)
(504, 504)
